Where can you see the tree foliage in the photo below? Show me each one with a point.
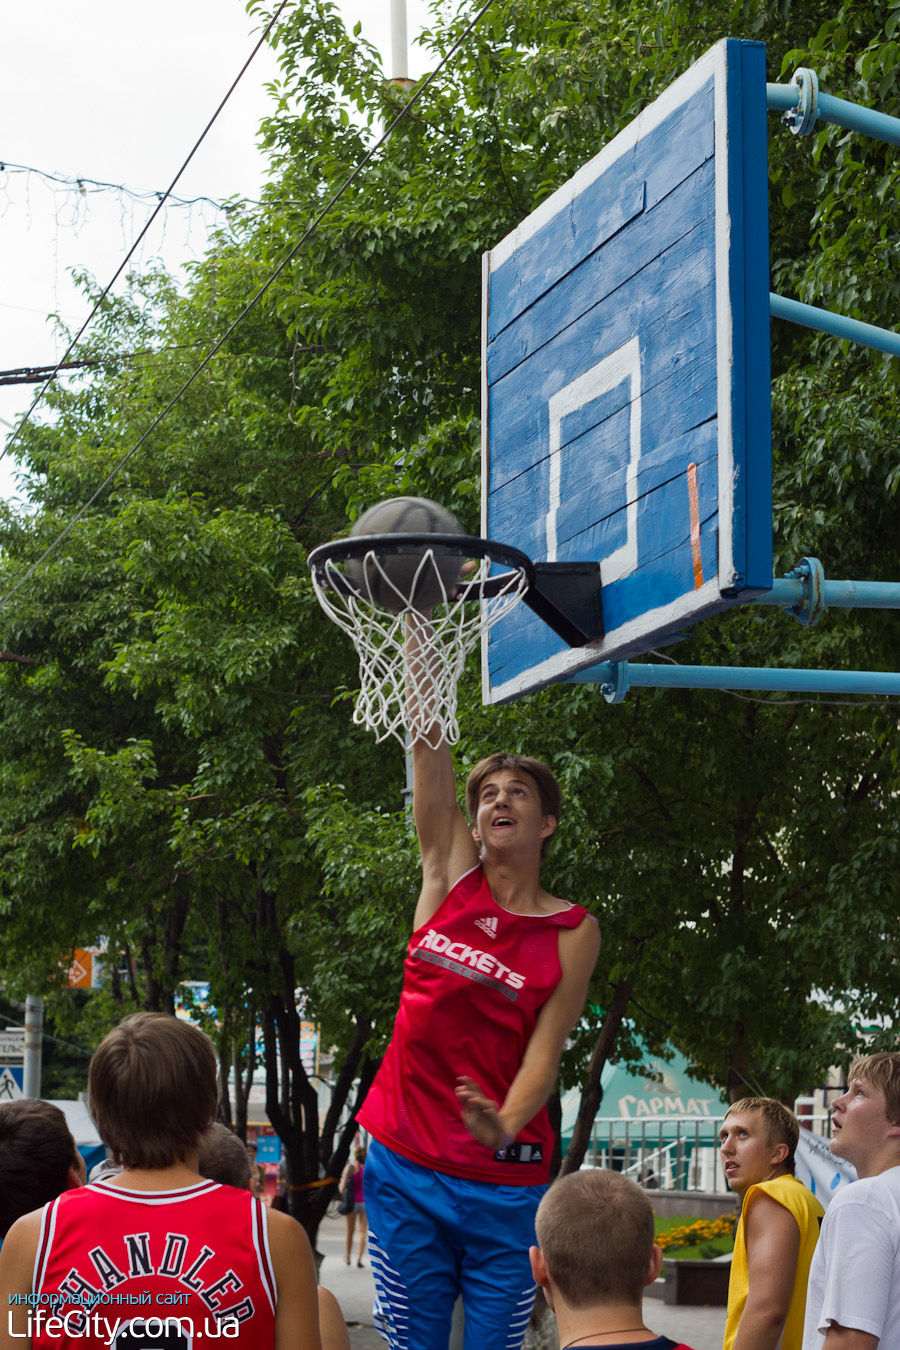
(179, 774)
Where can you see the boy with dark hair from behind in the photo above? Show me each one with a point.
(223, 1157)
(595, 1256)
(157, 1255)
(38, 1158)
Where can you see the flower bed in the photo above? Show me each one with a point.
(702, 1230)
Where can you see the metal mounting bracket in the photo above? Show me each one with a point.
(802, 119)
(567, 596)
(618, 684)
(811, 573)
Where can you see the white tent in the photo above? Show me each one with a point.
(83, 1129)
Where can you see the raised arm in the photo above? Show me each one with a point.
(445, 840)
(495, 1124)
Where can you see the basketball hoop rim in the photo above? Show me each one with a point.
(467, 546)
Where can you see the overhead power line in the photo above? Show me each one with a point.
(81, 184)
(307, 234)
(34, 374)
(161, 203)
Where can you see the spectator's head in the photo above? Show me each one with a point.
(152, 1090)
(38, 1158)
(865, 1120)
(758, 1140)
(881, 1071)
(596, 1246)
(360, 1155)
(223, 1157)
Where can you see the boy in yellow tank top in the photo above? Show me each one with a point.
(777, 1231)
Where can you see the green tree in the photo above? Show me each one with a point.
(179, 773)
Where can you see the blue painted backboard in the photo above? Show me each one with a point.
(626, 400)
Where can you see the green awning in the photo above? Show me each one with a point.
(653, 1094)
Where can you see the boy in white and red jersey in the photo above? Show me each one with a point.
(496, 976)
(157, 1256)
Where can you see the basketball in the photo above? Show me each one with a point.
(402, 580)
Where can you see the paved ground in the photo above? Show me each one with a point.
(354, 1289)
(701, 1328)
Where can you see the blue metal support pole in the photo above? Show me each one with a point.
(782, 97)
(807, 594)
(805, 105)
(853, 117)
(790, 591)
(823, 321)
(617, 677)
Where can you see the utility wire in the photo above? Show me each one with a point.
(310, 230)
(167, 198)
(161, 203)
(20, 1026)
(80, 183)
(34, 374)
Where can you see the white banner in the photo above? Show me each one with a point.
(820, 1169)
(12, 1045)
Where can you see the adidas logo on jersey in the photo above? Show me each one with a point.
(488, 925)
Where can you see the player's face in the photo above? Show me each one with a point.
(509, 811)
(747, 1157)
(860, 1128)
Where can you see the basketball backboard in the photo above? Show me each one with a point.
(626, 399)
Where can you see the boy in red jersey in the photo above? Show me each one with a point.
(157, 1256)
(496, 976)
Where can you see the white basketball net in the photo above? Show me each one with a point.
(411, 691)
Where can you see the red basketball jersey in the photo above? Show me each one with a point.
(476, 977)
(135, 1270)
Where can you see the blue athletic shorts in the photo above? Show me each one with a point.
(434, 1236)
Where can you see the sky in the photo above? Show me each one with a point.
(119, 93)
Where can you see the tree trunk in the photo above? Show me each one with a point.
(223, 1054)
(592, 1092)
(739, 1068)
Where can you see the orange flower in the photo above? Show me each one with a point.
(702, 1230)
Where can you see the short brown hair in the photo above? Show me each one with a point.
(223, 1157)
(881, 1071)
(595, 1230)
(780, 1125)
(36, 1152)
(152, 1089)
(547, 786)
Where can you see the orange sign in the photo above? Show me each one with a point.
(84, 972)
